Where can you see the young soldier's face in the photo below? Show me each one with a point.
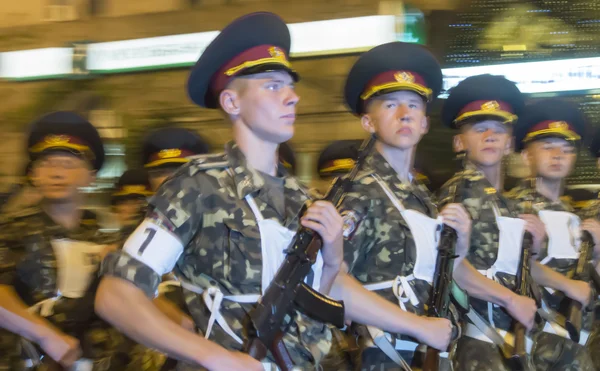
(550, 158)
(266, 103)
(59, 176)
(486, 142)
(398, 119)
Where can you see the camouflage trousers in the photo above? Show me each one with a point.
(593, 344)
(340, 356)
(554, 353)
(373, 359)
(476, 355)
(10, 355)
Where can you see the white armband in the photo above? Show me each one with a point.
(154, 246)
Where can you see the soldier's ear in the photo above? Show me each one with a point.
(229, 101)
(367, 123)
(509, 146)
(458, 143)
(425, 125)
(526, 157)
(87, 180)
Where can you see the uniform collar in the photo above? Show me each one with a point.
(247, 179)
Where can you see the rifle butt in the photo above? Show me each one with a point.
(519, 353)
(432, 360)
(574, 320)
(256, 349)
(282, 356)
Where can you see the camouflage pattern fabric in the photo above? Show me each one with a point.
(523, 194)
(28, 263)
(592, 211)
(549, 346)
(205, 204)
(379, 245)
(373, 359)
(476, 355)
(552, 352)
(480, 199)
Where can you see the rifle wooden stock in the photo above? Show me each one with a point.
(574, 320)
(574, 312)
(432, 360)
(256, 349)
(518, 355)
(439, 303)
(281, 354)
(519, 352)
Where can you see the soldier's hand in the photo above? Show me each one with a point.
(108, 249)
(593, 226)
(323, 218)
(436, 332)
(235, 361)
(580, 291)
(537, 228)
(62, 348)
(523, 309)
(457, 217)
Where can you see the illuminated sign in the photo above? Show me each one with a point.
(36, 64)
(329, 37)
(536, 77)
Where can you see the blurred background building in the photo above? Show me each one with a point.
(124, 64)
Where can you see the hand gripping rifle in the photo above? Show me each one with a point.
(287, 291)
(585, 271)
(517, 356)
(574, 313)
(441, 291)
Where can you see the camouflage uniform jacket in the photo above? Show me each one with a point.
(523, 194)
(205, 203)
(379, 245)
(29, 264)
(591, 210)
(480, 199)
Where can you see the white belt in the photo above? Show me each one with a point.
(553, 328)
(213, 297)
(491, 274)
(400, 287)
(399, 344)
(82, 364)
(473, 332)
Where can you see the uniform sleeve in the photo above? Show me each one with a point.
(359, 233)
(179, 200)
(156, 245)
(11, 252)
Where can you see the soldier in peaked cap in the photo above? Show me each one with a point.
(208, 217)
(25, 195)
(165, 150)
(129, 200)
(338, 158)
(287, 157)
(548, 135)
(390, 88)
(49, 254)
(483, 109)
